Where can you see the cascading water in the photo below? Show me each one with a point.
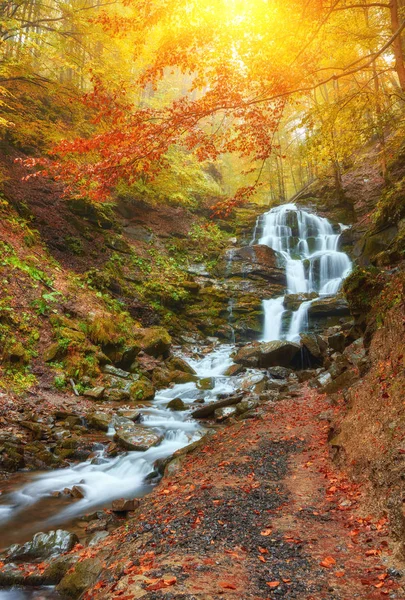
(105, 479)
(308, 247)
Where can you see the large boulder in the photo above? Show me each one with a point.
(335, 306)
(134, 437)
(255, 262)
(83, 576)
(98, 420)
(154, 341)
(42, 546)
(278, 353)
(294, 301)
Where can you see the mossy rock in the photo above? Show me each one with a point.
(154, 341)
(142, 390)
(207, 383)
(177, 404)
(84, 576)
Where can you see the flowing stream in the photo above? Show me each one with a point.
(308, 247)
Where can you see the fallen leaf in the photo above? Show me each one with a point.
(328, 562)
(273, 584)
(266, 532)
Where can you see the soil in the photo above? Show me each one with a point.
(259, 512)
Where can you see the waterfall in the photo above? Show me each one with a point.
(308, 248)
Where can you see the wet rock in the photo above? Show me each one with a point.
(117, 394)
(181, 377)
(97, 538)
(294, 301)
(306, 375)
(124, 505)
(344, 380)
(245, 406)
(57, 569)
(155, 341)
(39, 431)
(142, 390)
(73, 421)
(256, 262)
(314, 344)
(279, 385)
(279, 372)
(268, 354)
(254, 382)
(177, 404)
(96, 393)
(209, 409)
(234, 370)
(84, 575)
(161, 377)
(37, 456)
(11, 575)
(328, 307)
(131, 414)
(110, 370)
(221, 414)
(337, 342)
(42, 546)
(323, 379)
(207, 383)
(178, 364)
(77, 492)
(134, 437)
(98, 420)
(356, 352)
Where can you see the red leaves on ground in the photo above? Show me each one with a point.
(226, 585)
(161, 583)
(328, 562)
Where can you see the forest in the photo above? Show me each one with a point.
(202, 299)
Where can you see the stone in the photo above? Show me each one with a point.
(279, 372)
(256, 262)
(110, 370)
(177, 404)
(84, 576)
(245, 406)
(124, 505)
(178, 364)
(155, 341)
(42, 546)
(58, 568)
(209, 409)
(182, 377)
(96, 393)
(268, 354)
(329, 307)
(117, 394)
(98, 537)
(314, 344)
(142, 390)
(337, 342)
(52, 352)
(99, 420)
(131, 414)
(162, 377)
(206, 383)
(344, 380)
(254, 382)
(234, 370)
(77, 492)
(294, 301)
(221, 414)
(134, 437)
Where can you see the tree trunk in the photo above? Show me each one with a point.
(397, 43)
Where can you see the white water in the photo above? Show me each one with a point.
(308, 247)
(124, 476)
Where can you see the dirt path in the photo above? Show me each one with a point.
(257, 513)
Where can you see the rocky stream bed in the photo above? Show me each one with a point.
(205, 472)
